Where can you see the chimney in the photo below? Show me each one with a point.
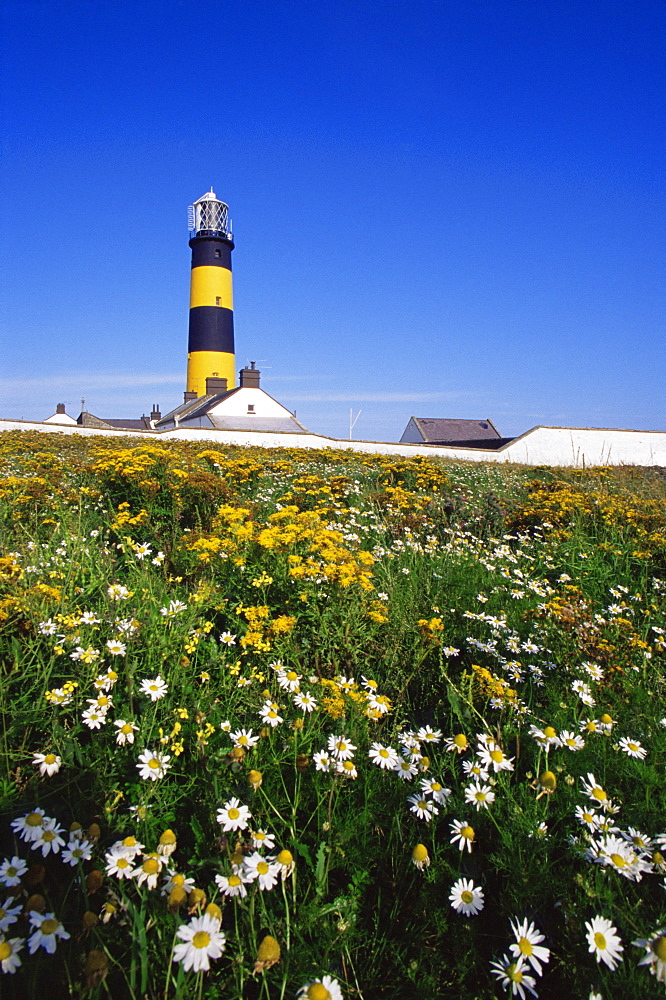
(189, 396)
(249, 377)
(155, 412)
(215, 385)
(60, 408)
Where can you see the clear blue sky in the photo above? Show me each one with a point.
(446, 208)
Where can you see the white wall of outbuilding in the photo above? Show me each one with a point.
(576, 447)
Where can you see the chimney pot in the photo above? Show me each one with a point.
(155, 413)
(60, 408)
(249, 377)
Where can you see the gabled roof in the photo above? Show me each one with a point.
(200, 412)
(194, 407)
(86, 419)
(438, 429)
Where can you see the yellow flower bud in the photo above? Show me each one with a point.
(214, 911)
(420, 856)
(268, 954)
(94, 880)
(196, 900)
(167, 844)
(177, 897)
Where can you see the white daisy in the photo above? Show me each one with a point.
(429, 735)
(175, 607)
(456, 744)
(173, 879)
(528, 945)
(463, 834)
(325, 988)
(115, 647)
(639, 841)
(655, 957)
(431, 786)
(9, 949)
(129, 846)
(49, 840)
(466, 898)
(289, 680)
(546, 737)
(48, 930)
(243, 738)
(423, 808)
(604, 942)
(340, 747)
(260, 839)
(231, 885)
(48, 763)
(126, 731)
(155, 688)
(480, 796)
(201, 940)
(305, 701)
(571, 740)
(153, 765)
(264, 870)
(233, 816)
(384, 757)
(594, 791)
(76, 851)
(11, 872)
(149, 870)
(493, 756)
(406, 769)
(632, 748)
(94, 718)
(119, 864)
(9, 914)
(514, 976)
(475, 769)
(269, 714)
(322, 761)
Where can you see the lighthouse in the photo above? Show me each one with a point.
(210, 349)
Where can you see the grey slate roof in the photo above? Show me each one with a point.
(86, 419)
(443, 430)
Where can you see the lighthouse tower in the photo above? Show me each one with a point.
(210, 350)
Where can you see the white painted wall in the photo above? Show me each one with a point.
(237, 404)
(61, 418)
(567, 446)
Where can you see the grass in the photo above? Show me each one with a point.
(413, 602)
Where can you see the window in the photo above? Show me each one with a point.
(217, 300)
(218, 253)
(250, 407)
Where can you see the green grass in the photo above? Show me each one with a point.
(492, 590)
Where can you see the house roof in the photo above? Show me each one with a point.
(86, 419)
(438, 429)
(198, 412)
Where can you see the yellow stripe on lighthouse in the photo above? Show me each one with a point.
(211, 286)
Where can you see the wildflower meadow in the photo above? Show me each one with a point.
(283, 724)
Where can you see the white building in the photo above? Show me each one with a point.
(246, 408)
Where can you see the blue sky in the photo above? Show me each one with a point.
(447, 209)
